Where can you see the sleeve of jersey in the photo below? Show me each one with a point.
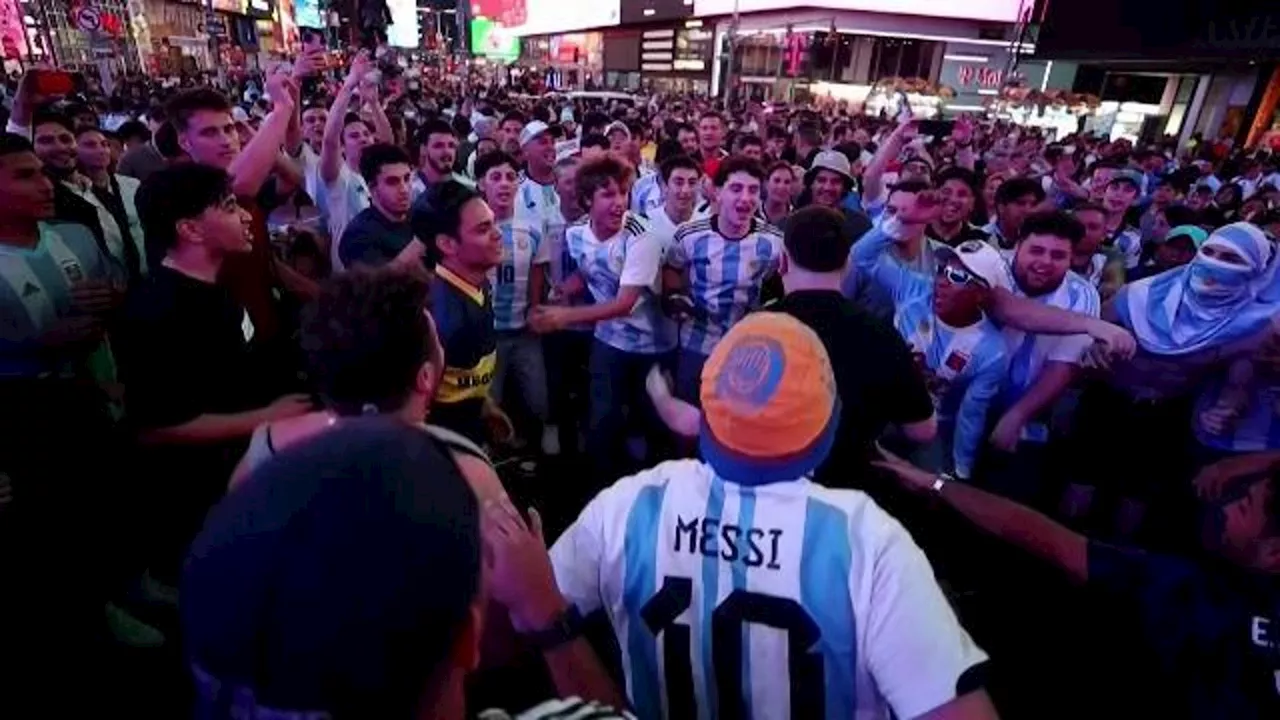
(541, 248)
(594, 546)
(642, 262)
(871, 260)
(971, 418)
(676, 256)
(1071, 348)
(917, 652)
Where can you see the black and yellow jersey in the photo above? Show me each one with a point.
(464, 320)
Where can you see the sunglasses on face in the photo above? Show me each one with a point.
(959, 276)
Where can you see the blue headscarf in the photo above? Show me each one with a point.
(1206, 303)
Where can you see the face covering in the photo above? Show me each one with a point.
(1214, 281)
(893, 227)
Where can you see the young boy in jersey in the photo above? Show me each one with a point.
(679, 185)
(618, 263)
(519, 282)
(737, 587)
(721, 263)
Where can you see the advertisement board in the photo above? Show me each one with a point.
(403, 30)
(307, 14)
(990, 10)
(491, 40)
(548, 17)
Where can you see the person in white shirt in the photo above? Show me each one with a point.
(737, 587)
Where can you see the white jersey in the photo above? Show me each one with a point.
(787, 600)
(632, 258)
(1028, 352)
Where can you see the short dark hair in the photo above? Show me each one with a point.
(494, 159)
(711, 114)
(379, 155)
(738, 164)
(964, 175)
(133, 130)
(777, 165)
(748, 139)
(910, 186)
(366, 337)
(1014, 188)
(816, 239)
(1180, 215)
(597, 173)
(442, 216)
(685, 127)
(166, 141)
(595, 140)
(351, 118)
(189, 102)
(48, 116)
(82, 129)
(434, 127)
(513, 116)
(1056, 223)
(594, 122)
(176, 193)
(678, 162)
(11, 144)
(1089, 207)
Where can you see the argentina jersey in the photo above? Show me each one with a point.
(646, 194)
(1128, 242)
(536, 202)
(561, 265)
(522, 252)
(873, 263)
(632, 258)
(724, 276)
(776, 601)
(1028, 352)
(964, 369)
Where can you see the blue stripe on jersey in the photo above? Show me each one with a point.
(746, 520)
(710, 598)
(640, 581)
(826, 560)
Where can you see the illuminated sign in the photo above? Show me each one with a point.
(403, 30)
(548, 17)
(307, 14)
(992, 10)
(491, 40)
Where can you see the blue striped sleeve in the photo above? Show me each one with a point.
(971, 418)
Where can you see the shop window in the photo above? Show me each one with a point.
(898, 57)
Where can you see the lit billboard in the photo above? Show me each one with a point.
(989, 10)
(491, 40)
(548, 17)
(403, 31)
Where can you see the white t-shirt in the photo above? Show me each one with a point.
(787, 599)
(346, 196)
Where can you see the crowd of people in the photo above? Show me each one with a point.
(823, 414)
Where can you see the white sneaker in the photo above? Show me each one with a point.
(550, 440)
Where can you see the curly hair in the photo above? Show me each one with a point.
(366, 338)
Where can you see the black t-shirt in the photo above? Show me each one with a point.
(1214, 631)
(877, 381)
(374, 239)
(186, 349)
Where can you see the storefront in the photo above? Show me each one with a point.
(780, 53)
(54, 33)
(677, 58)
(570, 61)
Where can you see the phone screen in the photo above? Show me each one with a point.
(55, 82)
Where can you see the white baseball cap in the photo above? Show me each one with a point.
(980, 258)
(532, 131)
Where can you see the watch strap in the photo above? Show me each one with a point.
(565, 627)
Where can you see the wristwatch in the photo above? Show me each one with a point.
(940, 482)
(565, 627)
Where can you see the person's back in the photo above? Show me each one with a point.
(805, 601)
(739, 588)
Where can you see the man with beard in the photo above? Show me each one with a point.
(437, 154)
(1042, 367)
(53, 136)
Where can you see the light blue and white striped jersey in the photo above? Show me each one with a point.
(964, 367)
(631, 258)
(522, 249)
(1028, 352)
(724, 276)
(646, 194)
(872, 261)
(1257, 428)
(35, 292)
(787, 600)
(536, 202)
(964, 370)
(561, 265)
(1128, 240)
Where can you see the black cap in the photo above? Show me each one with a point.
(335, 579)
